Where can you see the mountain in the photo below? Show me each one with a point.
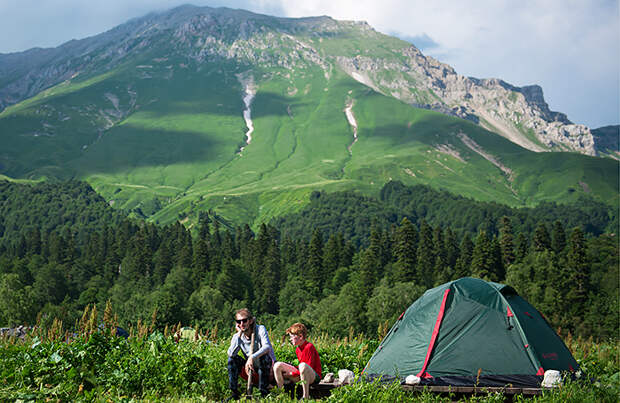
(201, 108)
(607, 139)
(519, 114)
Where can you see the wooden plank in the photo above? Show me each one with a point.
(325, 386)
(473, 389)
(533, 391)
(323, 389)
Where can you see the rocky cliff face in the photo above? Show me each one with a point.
(607, 140)
(389, 66)
(519, 114)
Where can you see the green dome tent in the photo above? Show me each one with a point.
(471, 332)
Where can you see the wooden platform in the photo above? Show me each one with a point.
(317, 391)
(320, 390)
(475, 390)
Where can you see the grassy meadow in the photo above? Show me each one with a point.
(90, 364)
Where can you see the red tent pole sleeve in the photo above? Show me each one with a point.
(422, 373)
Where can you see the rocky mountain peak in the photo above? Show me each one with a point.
(517, 113)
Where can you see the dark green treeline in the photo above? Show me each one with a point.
(332, 281)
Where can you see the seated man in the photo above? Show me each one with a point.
(261, 360)
(309, 371)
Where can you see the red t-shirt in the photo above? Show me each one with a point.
(308, 354)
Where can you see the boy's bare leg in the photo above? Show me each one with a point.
(307, 376)
(282, 371)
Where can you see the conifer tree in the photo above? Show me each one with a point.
(262, 241)
(185, 255)
(405, 251)
(577, 268)
(95, 250)
(346, 257)
(215, 258)
(370, 265)
(201, 262)
(288, 251)
(331, 255)
(445, 263)
(541, 240)
(21, 248)
(274, 233)
(163, 264)
(228, 281)
(70, 253)
(506, 241)
(438, 242)
(441, 271)
(203, 226)
(57, 248)
(268, 295)
(33, 241)
(244, 238)
(89, 251)
(152, 236)
(379, 252)
(425, 256)
(111, 256)
(122, 235)
(522, 248)
(45, 245)
(376, 242)
(386, 248)
(482, 257)
(258, 249)
(137, 263)
(315, 273)
(558, 237)
(463, 263)
(302, 256)
(216, 239)
(498, 270)
(451, 247)
(228, 247)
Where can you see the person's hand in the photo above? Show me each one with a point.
(239, 330)
(249, 366)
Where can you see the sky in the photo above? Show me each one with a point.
(571, 48)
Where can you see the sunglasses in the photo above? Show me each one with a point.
(242, 320)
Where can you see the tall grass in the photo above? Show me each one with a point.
(90, 363)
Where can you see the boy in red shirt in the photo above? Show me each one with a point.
(309, 371)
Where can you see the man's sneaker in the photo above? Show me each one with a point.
(235, 396)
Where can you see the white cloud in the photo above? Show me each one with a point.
(569, 47)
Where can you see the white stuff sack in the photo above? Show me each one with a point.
(552, 378)
(412, 380)
(345, 376)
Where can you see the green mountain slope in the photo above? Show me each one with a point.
(161, 132)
